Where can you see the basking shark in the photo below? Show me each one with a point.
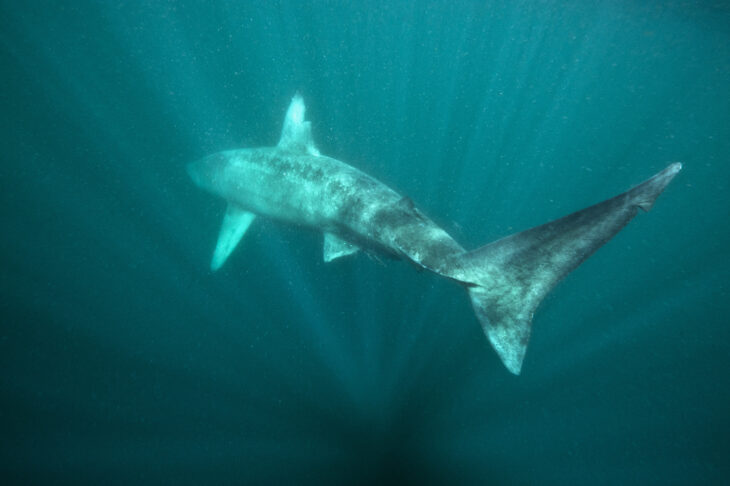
(506, 279)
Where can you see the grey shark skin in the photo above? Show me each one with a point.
(506, 279)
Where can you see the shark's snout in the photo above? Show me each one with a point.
(209, 172)
(192, 170)
(202, 172)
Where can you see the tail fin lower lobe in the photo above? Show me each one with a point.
(509, 278)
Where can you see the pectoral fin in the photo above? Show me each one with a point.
(235, 223)
(335, 247)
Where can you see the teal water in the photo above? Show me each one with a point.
(124, 360)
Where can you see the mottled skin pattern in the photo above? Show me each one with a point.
(331, 196)
(506, 279)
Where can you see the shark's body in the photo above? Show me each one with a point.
(506, 280)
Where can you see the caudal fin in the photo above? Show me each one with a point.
(511, 276)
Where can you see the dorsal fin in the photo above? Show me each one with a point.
(296, 134)
(407, 205)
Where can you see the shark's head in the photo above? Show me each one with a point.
(207, 172)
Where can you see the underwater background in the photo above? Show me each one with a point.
(124, 360)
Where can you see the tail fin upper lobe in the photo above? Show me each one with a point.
(511, 276)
